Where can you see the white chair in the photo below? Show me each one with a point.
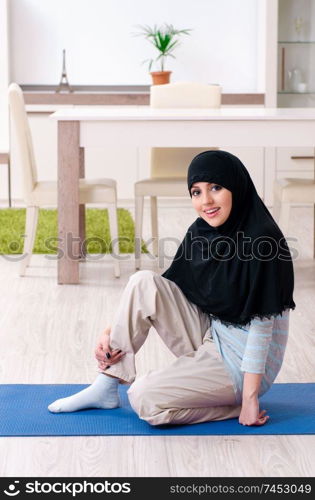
(44, 193)
(5, 160)
(169, 165)
(288, 192)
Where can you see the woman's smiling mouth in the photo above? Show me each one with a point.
(212, 212)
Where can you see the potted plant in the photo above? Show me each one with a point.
(165, 39)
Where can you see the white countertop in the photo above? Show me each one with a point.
(86, 113)
(46, 108)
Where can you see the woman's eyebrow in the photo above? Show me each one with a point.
(208, 183)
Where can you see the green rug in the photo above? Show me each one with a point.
(12, 228)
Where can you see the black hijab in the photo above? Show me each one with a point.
(242, 269)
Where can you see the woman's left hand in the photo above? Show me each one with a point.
(250, 414)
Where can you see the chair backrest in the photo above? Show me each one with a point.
(173, 162)
(185, 95)
(21, 130)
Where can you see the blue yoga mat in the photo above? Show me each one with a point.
(23, 412)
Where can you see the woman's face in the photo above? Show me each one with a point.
(212, 202)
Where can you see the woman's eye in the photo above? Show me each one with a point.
(216, 187)
(195, 193)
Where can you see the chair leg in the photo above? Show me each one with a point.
(138, 229)
(154, 225)
(30, 233)
(113, 228)
(284, 218)
(276, 208)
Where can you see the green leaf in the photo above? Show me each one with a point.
(163, 38)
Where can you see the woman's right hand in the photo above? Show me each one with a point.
(250, 413)
(105, 356)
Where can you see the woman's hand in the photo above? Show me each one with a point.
(105, 356)
(250, 414)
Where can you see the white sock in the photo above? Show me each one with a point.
(103, 393)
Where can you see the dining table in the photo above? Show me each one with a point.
(82, 127)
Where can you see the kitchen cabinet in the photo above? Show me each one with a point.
(296, 53)
(290, 73)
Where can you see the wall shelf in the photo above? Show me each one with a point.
(296, 92)
(297, 42)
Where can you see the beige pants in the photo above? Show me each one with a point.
(196, 387)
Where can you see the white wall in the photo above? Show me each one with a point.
(4, 76)
(97, 35)
(226, 46)
(4, 80)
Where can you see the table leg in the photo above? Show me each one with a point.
(9, 182)
(68, 201)
(270, 169)
(82, 211)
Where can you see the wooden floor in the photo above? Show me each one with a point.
(48, 333)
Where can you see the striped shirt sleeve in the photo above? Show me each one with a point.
(257, 346)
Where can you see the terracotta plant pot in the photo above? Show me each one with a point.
(160, 77)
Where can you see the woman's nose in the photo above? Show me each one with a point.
(207, 198)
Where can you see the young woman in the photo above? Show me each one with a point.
(222, 308)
